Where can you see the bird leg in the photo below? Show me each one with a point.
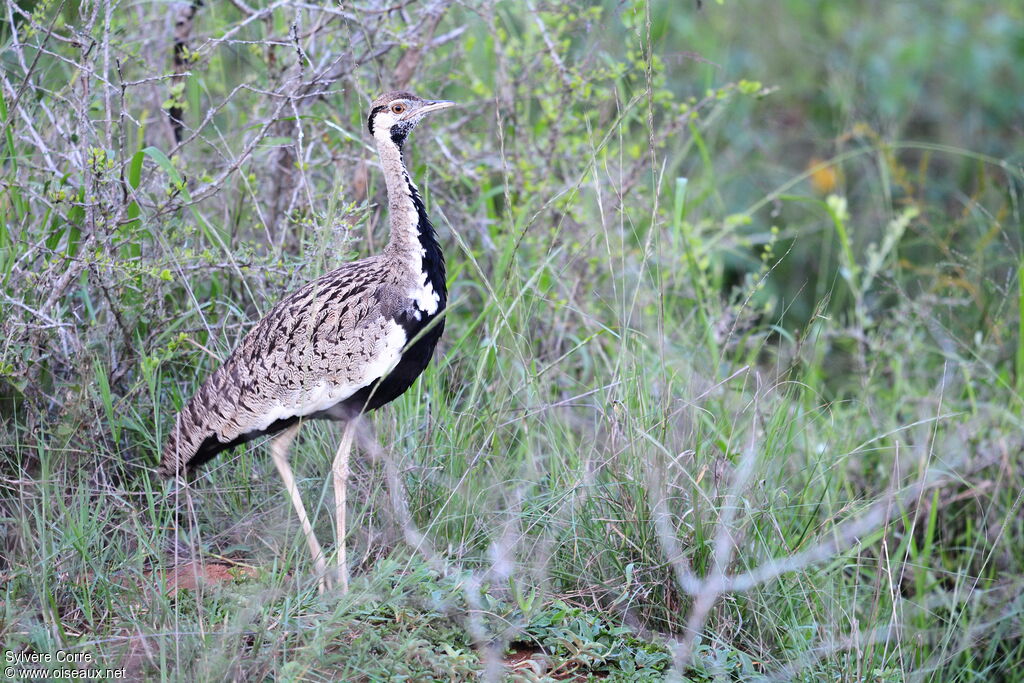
(279, 452)
(340, 481)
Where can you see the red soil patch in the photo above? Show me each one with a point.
(521, 658)
(187, 576)
(528, 657)
(191, 575)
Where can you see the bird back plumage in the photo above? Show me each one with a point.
(334, 338)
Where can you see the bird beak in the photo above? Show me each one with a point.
(432, 106)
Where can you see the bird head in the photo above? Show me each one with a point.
(395, 114)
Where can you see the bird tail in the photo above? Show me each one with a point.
(192, 433)
(175, 454)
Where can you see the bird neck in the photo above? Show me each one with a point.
(413, 241)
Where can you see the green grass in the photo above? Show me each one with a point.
(702, 410)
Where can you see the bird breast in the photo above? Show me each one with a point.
(343, 374)
(424, 297)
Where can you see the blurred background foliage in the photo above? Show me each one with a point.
(673, 228)
(876, 74)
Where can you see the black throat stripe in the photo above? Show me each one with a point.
(373, 112)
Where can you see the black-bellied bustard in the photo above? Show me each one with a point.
(346, 343)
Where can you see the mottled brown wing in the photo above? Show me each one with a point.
(315, 348)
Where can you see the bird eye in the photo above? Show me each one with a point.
(398, 108)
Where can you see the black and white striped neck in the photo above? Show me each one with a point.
(413, 241)
(431, 257)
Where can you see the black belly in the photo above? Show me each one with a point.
(414, 361)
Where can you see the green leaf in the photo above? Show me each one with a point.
(135, 169)
(168, 167)
(278, 141)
